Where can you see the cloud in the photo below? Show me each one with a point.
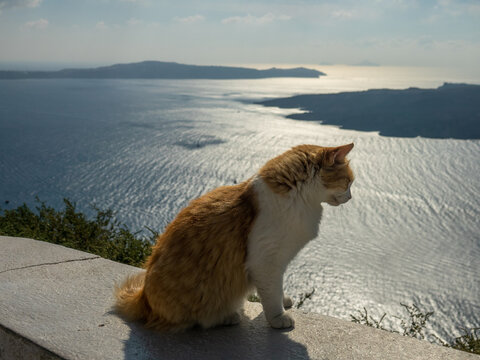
(134, 21)
(343, 14)
(137, 2)
(458, 8)
(335, 12)
(189, 19)
(451, 9)
(9, 4)
(37, 24)
(101, 25)
(255, 20)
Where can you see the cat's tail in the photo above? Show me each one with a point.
(132, 305)
(131, 302)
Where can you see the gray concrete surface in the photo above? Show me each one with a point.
(56, 303)
(17, 253)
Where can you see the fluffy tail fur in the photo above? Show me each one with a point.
(132, 305)
(131, 301)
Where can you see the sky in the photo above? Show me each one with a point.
(444, 33)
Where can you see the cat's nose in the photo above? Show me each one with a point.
(349, 195)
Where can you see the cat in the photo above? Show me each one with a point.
(235, 240)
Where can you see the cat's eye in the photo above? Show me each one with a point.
(348, 183)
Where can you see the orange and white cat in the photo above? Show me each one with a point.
(237, 239)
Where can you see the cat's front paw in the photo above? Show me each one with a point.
(282, 321)
(287, 302)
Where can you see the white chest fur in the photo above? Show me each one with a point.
(284, 224)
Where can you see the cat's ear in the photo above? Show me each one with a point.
(337, 154)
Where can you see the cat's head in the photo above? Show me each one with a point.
(319, 174)
(336, 175)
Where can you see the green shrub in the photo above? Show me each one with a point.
(103, 235)
(303, 297)
(365, 319)
(469, 341)
(416, 322)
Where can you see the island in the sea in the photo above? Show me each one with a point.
(163, 70)
(450, 111)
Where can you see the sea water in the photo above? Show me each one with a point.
(145, 148)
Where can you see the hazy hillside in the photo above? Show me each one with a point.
(162, 70)
(450, 111)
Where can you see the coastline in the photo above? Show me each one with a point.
(449, 111)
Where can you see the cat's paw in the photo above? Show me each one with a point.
(232, 319)
(287, 302)
(282, 321)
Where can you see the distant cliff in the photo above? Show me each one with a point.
(450, 111)
(162, 70)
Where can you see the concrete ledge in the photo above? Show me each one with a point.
(56, 304)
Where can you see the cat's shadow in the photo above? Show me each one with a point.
(251, 339)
